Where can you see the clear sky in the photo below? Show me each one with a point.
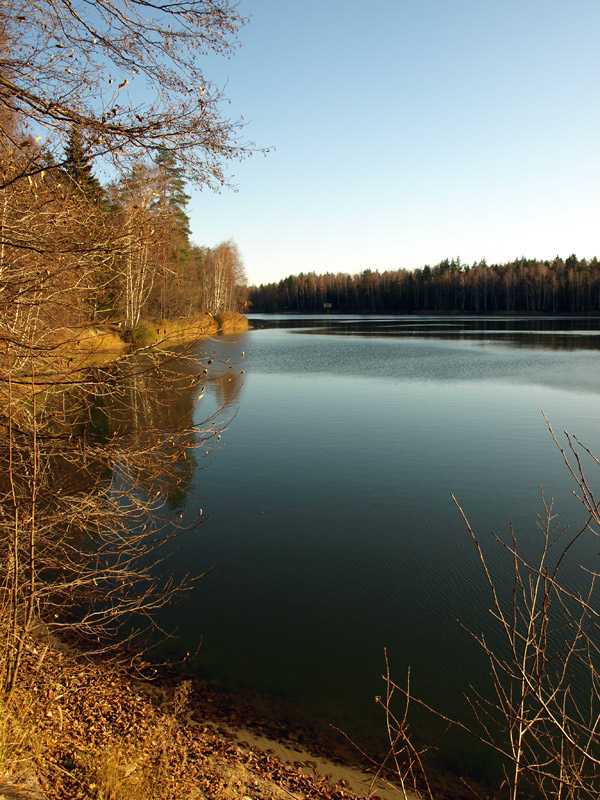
(408, 131)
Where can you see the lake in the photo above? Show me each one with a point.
(328, 510)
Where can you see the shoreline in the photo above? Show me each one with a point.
(96, 343)
(311, 760)
(80, 720)
(76, 726)
(252, 723)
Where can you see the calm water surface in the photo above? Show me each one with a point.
(329, 516)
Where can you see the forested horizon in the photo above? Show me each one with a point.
(524, 285)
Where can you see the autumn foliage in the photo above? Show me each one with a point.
(91, 454)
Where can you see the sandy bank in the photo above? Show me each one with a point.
(285, 748)
(77, 729)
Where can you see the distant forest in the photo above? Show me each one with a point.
(524, 286)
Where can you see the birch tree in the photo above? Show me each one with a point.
(222, 272)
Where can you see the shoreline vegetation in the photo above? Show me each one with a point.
(78, 728)
(93, 344)
(163, 332)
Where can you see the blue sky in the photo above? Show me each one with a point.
(405, 132)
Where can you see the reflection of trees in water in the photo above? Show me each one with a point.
(227, 386)
(94, 470)
(554, 333)
(152, 414)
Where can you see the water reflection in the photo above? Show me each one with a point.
(171, 409)
(333, 530)
(556, 333)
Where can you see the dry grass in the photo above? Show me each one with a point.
(79, 347)
(152, 765)
(92, 339)
(167, 332)
(19, 744)
(231, 322)
(81, 732)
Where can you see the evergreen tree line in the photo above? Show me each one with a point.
(523, 286)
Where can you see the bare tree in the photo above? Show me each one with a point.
(138, 240)
(543, 715)
(127, 74)
(82, 485)
(222, 272)
(89, 453)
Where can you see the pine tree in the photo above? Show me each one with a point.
(173, 196)
(79, 167)
(170, 207)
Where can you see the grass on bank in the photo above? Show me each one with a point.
(75, 348)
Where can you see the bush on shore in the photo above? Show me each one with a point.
(231, 322)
